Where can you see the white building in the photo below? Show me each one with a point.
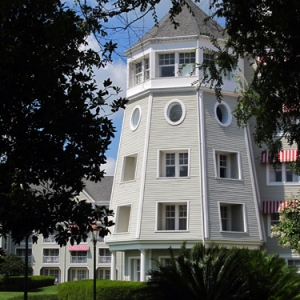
(185, 170)
(70, 262)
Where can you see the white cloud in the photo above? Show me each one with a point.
(109, 167)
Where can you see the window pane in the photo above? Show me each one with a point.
(170, 224)
(183, 171)
(167, 71)
(175, 112)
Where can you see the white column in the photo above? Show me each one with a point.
(113, 266)
(143, 265)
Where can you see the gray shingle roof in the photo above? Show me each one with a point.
(101, 190)
(190, 25)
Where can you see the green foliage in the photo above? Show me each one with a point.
(54, 132)
(220, 273)
(288, 229)
(12, 265)
(267, 33)
(16, 283)
(107, 290)
(36, 297)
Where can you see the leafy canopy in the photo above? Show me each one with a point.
(266, 32)
(54, 130)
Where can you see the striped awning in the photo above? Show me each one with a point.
(78, 248)
(270, 207)
(283, 156)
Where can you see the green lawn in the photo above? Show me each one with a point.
(46, 290)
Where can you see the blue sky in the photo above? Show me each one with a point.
(117, 70)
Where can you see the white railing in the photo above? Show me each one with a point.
(50, 259)
(78, 259)
(50, 239)
(104, 259)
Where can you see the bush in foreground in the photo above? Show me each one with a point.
(222, 274)
(107, 290)
(16, 283)
(36, 297)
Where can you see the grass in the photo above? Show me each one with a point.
(41, 291)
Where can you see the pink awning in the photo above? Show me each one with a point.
(283, 156)
(78, 248)
(270, 207)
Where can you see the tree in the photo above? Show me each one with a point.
(266, 32)
(288, 229)
(53, 130)
(12, 265)
(221, 273)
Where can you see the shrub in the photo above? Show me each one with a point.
(36, 297)
(16, 283)
(107, 290)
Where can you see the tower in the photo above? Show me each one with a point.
(184, 169)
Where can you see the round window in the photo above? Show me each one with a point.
(223, 113)
(175, 112)
(135, 118)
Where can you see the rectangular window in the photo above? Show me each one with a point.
(78, 274)
(135, 269)
(146, 69)
(281, 174)
(274, 219)
(138, 73)
(172, 216)
(21, 254)
(51, 256)
(167, 65)
(232, 217)
(187, 63)
(294, 263)
(129, 168)
(174, 163)
(54, 273)
(227, 165)
(104, 274)
(78, 257)
(104, 256)
(122, 221)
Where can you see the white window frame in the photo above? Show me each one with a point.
(161, 159)
(225, 109)
(187, 63)
(168, 107)
(162, 214)
(160, 66)
(271, 222)
(140, 70)
(283, 181)
(229, 217)
(118, 218)
(134, 274)
(162, 259)
(216, 157)
(133, 126)
(134, 155)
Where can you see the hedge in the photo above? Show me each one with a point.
(36, 297)
(16, 283)
(107, 290)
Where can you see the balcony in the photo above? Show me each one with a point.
(78, 259)
(104, 259)
(50, 259)
(50, 239)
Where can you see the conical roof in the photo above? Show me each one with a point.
(190, 24)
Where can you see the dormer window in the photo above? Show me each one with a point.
(167, 65)
(139, 71)
(187, 63)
